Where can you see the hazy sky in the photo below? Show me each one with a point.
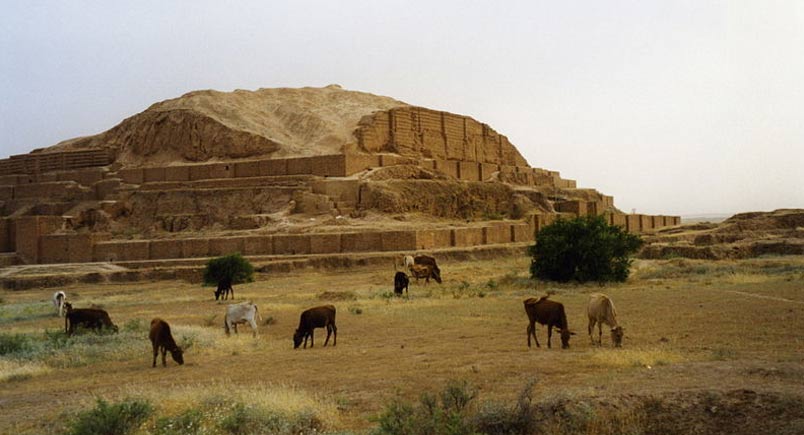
(672, 107)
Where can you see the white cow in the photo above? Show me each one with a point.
(601, 310)
(59, 298)
(408, 261)
(245, 312)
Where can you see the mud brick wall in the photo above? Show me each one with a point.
(153, 175)
(132, 176)
(361, 242)
(449, 167)
(463, 237)
(576, 207)
(522, 233)
(495, 234)
(357, 163)
(247, 169)
(619, 219)
(65, 248)
(85, 177)
(258, 245)
(331, 166)
(325, 243)
(163, 249)
(275, 167)
(194, 248)
(106, 187)
(6, 193)
(338, 190)
(398, 241)
(177, 173)
(27, 230)
(645, 222)
(44, 162)
(225, 246)
(434, 134)
(215, 170)
(60, 190)
(487, 170)
(632, 223)
(291, 244)
(433, 239)
(5, 236)
(133, 250)
(469, 171)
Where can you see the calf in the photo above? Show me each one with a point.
(401, 282)
(245, 312)
(547, 313)
(421, 271)
(90, 318)
(162, 339)
(429, 261)
(318, 317)
(224, 287)
(59, 299)
(601, 310)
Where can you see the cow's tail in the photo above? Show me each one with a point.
(226, 323)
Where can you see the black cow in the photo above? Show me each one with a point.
(401, 282)
(224, 287)
(90, 318)
(317, 317)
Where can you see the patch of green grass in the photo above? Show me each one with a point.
(112, 419)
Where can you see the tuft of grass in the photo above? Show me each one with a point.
(11, 370)
(189, 422)
(14, 343)
(635, 357)
(113, 419)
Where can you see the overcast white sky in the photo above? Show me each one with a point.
(673, 107)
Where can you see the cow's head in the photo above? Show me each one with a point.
(617, 336)
(565, 338)
(297, 339)
(437, 275)
(178, 355)
(67, 307)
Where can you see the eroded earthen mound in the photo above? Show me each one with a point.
(744, 235)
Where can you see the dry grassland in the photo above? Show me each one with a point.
(689, 326)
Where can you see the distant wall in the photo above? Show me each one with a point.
(36, 163)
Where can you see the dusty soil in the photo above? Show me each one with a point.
(691, 331)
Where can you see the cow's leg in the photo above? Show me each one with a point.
(329, 332)
(234, 326)
(334, 334)
(549, 335)
(232, 290)
(164, 353)
(253, 324)
(600, 333)
(590, 327)
(156, 351)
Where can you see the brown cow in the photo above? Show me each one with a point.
(421, 271)
(601, 310)
(547, 313)
(429, 261)
(90, 318)
(162, 339)
(317, 317)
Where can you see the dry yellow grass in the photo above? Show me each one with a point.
(696, 327)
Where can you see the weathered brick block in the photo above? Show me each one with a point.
(153, 175)
(134, 250)
(495, 234)
(522, 233)
(325, 243)
(361, 242)
(177, 173)
(163, 249)
(247, 169)
(291, 244)
(274, 167)
(433, 239)
(132, 176)
(469, 171)
(225, 246)
(192, 248)
(463, 237)
(399, 241)
(258, 245)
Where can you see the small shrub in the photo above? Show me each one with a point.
(355, 310)
(112, 419)
(187, 423)
(14, 343)
(492, 284)
(582, 249)
(232, 267)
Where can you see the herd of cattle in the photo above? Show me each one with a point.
(600, 310)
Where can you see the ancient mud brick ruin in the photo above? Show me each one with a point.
(409, 179)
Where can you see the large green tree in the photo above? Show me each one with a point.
(583, 249)
(233, 269)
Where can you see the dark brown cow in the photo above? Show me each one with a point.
(429, 261)
(224, 287)
(90, 318)
(162, 339)
(422, 271)
(547, 313)
(317, 317)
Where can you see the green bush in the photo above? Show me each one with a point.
(233, 267)
(582, 249)
(448, 416)
(14, 343)
(244, 419)
(112, 419)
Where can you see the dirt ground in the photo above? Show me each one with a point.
(690, 326)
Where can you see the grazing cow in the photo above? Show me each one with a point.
(600, 311)
(244, 312)
(318, 317)
(408, 261)
(401, 282)
(162, 339)
(547, 313)
(421, 271)
(59, 299)
(90, 318)
(429, 261)
(224, 287)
